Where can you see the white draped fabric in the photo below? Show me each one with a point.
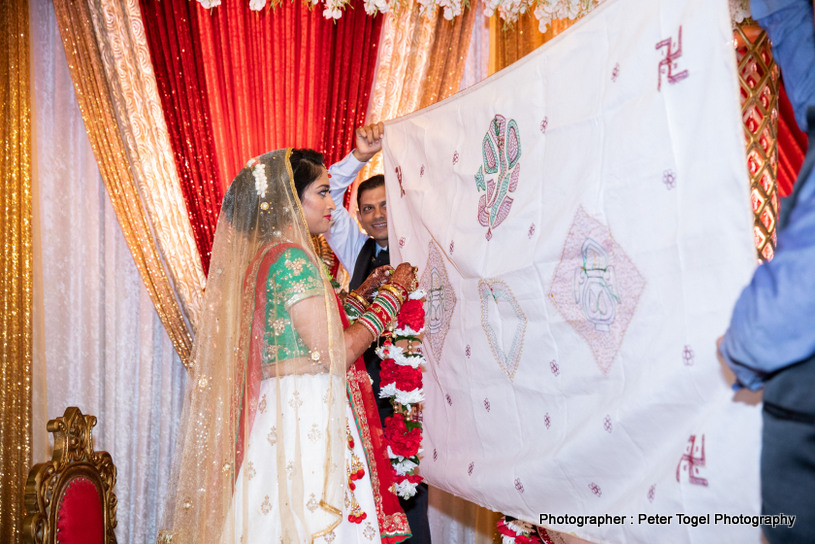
(582, 225)
(102, 345)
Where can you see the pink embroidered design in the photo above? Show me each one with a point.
(504, 323)
(652, 493)
(452, 246)
(596, 489)
(449, 400)
(440, 302)
(421, 172)
(519, 486)
(470, 469)
(399, 179)
(402, 241)
(547, 420)
(668, 64)
(596, 287)
(501, 154)
(455, 157)
(692, 461)
(531, 231)
(688, 356)
(615, 73)
(669, 179)
(553, 366)
(487, 404)
(607, 424)
(467, 351)
(435, 454)
(544, 125)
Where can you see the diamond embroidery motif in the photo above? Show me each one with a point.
(503, 322)
(439, 303)
(596, 287)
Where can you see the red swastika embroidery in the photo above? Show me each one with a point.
(668, 65)
(692, 461)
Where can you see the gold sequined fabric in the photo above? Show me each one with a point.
(510, 43)
(93, 94)
(16, 266)
(119, 31)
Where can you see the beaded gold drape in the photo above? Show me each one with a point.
(758, 80)
(421, 61)
(94, 96)
(16, 266)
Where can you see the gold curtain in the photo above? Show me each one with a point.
(94, 95)
(508, 44)
(421, 61)
(134, 95)
(16, 266)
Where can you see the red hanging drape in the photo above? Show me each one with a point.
(792, 144)
(177, 62)
(236, 83)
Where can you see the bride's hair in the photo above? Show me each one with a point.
(306, 165)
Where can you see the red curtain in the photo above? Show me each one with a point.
(792, 144)
(236, 83)
(170, 26)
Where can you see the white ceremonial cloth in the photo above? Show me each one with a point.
(582, 225)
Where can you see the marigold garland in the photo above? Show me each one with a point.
(401, 382)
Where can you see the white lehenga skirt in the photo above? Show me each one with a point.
(255, 511)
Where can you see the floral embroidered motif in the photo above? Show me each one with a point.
(295, 401)
(250, 470)
(290, 469)
(315, 434)
(296, 265)
(266, 506)
(688, 356)
(369, 531)
(329, 538)
(279, 325)
(596, 489)
(313, 504)
(652, 492)
(262, 404)
(272, 436)
(607, 424)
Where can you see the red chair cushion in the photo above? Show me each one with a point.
(79, 517)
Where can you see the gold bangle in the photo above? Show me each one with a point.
(359, 298)
(398, 292)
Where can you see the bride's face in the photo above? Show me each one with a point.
(317, 204)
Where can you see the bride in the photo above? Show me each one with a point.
(279, 438)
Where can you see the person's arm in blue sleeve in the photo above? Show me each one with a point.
(771, 324)
(789, 24)
(345, 236)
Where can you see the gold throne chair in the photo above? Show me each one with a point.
(70, 499)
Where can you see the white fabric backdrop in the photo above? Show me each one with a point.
(576, 294)
(105, 349)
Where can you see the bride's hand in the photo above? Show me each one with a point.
(405, 276)
(371, 284)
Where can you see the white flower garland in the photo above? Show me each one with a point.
(545, 11)
(259, 171)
